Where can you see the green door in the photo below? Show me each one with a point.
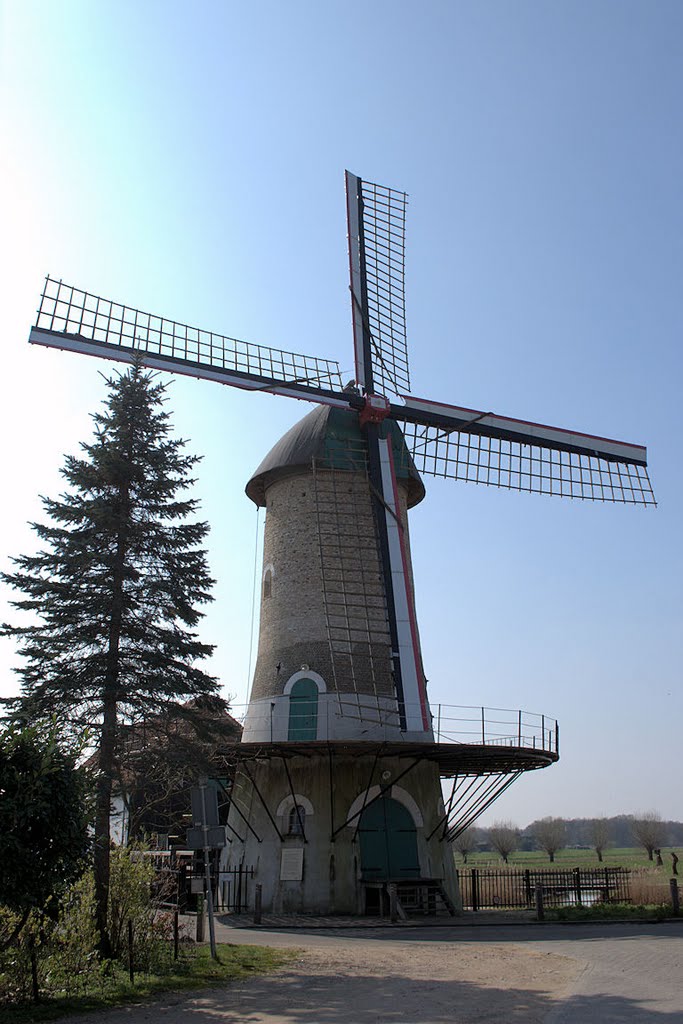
(388, 841)
(303, 710)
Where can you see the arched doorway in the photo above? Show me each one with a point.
(388, 841)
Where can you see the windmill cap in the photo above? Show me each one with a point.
(333, 438)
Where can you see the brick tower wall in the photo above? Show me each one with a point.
(321, 523)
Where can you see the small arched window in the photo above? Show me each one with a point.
(267, 583)
(297, 817)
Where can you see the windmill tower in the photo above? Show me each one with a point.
(338, 791)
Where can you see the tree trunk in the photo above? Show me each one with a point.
(102, 820)
(551, 855)
(599, 853)
(107, 751)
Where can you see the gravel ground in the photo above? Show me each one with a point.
(360, 981)
(490, 974)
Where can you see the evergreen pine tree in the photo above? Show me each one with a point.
(114, 594)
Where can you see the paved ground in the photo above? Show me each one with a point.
(624, 973)
(459, 974)
(630, 975)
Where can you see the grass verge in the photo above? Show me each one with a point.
(193, 970)
(610, 912)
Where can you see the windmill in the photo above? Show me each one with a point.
(338, 794)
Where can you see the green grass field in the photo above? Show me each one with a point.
(629, 857)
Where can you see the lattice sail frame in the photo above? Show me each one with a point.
(506, 463)
(461, 448)
(72, 311)
(384, 245)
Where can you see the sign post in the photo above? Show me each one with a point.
(206, 834)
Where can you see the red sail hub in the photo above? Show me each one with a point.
(376, 409)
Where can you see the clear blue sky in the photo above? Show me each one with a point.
(188, 159)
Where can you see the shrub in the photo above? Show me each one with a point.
(15, 955)
(74, 960)
(131, 884)
(56, 952)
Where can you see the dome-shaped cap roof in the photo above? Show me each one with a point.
(333, 438)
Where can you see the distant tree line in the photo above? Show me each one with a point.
(620, 830)
(647, 830)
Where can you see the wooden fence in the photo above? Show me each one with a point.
(488, 888)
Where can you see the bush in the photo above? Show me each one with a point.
(62, 946)
(16, 971)
(43, 816)
(131, 883)
(73, 961)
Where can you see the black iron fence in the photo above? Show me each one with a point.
(492, 888)
(230, 888)
(233, 889)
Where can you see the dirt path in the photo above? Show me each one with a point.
(354, 980)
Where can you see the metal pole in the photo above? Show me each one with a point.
(258, 902)
(393, 909)
(540, 913)
(130, 952)
(474, 876)
(207, 871)
(577, 886)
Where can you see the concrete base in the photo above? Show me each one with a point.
(321, 870)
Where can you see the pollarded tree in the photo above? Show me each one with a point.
(550, 834)
(114, 594)
(504, 838)
(649, 831)
(466, 843)
(599, 832)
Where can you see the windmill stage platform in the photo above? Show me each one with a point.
(477, 751)
(453, 759)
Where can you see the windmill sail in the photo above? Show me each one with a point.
(74, 319)
(376, 220)
(480, 447)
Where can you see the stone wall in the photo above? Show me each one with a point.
(331, 875)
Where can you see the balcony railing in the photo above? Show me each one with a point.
(378, 717)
